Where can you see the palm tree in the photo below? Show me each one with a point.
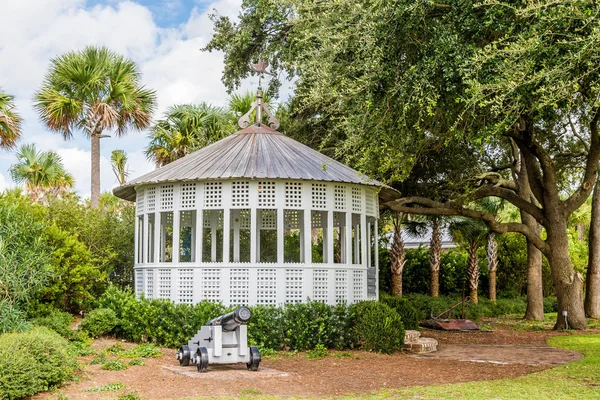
(10, 121)
(41, 171)
(94, 90)
(240, 103)
(493, 206)
(184, 129)
(118, 161)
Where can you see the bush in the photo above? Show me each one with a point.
(33, 361)
(376, 327)
(99, 322)
(60, 322)
(407, 312)
(264, 328)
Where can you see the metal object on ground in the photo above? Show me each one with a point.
(446, 324)
(223, 340)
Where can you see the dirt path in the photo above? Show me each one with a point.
(462, 357)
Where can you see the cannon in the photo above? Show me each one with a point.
(223, 340)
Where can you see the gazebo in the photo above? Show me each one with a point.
(256, 218)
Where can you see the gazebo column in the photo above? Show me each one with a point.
(328, 234)
(279, 205)
(176, 231)
(214, 221)
(137, 238)
(364, 241)
(306, 241)
(376, 260)
(348, 241)
(235, 223)
(226, 202)
(145, 239)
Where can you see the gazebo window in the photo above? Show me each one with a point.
(239, 242)
(212, 247)
(293, 239)
(166, 236)
(267, 236)
(187, 236)
(339, 237)
(356, 239)
(151, 236)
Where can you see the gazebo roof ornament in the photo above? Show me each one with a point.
(259, 105)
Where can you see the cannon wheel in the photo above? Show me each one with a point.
(202, 359)
(254, 359)
(183, 355)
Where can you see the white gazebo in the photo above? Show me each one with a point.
(256, 218)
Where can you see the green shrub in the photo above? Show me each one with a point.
(60, 322)
(407, 312)
(11, 318)
(550, 304)
(99, 322)
(317, 353)
(376, 327)
(136, 361)
(33, 361)
(264, 328)
(145, 350)
(114, 365)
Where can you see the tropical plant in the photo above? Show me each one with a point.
(397, 254)
(94, 90)
(10, 121)
(185, 128)
(42, 172)
(118, 161)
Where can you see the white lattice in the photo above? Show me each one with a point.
(166, 197)
(292, 219)
(164, 283)
(245, 219)
(370, 202)
(268, 219)
(139, 282)
(266, 194)
(140, 201)
(341, 286)
(238, 286)
(188, 195)
(293, 285)
(149, 284)
(359, 285)
(293, 194)
(151, 199)
(320, 289)
(211, 284)
(319, 196)
(185, 285)
(207, 219)
(316, 218)
(339, 201)
(240, 194)
(187, 218)
(356, 199)
(212, 194)
(266, 286)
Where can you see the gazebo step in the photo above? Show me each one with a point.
(422, 345)
(411, 336)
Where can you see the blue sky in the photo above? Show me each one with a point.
(163, 37)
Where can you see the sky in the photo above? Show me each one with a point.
(163, 37)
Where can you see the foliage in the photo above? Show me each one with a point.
(407, 312)
(10, 121)
(264, 328)
(114, 365)
(136, 361)
(376, 327)
(145, 350)
(32, 362)
(111, 387)
(118, 162)
(317, 353)
(99, 322)
(58, 321)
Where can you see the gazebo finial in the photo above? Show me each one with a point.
(259, 104)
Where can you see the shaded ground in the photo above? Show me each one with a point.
(500, 354)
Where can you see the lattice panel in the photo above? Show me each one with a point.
(292, 219)
(164, 283)
(239, 286)
(268, 219)
(293, 194)
(140, 201)
(359, 285)
(266, 194)
(244, 219)
(339, 197)
(166, 197)
(356, 199)
(240, 194)
(213, 194)
(207, 219)
(317, 219)
(188, 195)
(320, 289)
(370, 202)
(319, 196)
(150, 199)
(149, 284)
(185, 286)
(211, 284)
(266, 286)
(139, 282)
(341, 286)
(293, 285)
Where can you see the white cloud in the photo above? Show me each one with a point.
(3, 183)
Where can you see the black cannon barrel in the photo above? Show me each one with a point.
(232, 320)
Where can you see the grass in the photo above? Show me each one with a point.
(111, 387)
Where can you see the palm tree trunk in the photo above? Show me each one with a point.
(95, 194)
(473, 272)
(397, 258)
(592, 292)
(435, 253)
(492, 254)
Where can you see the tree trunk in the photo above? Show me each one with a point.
(95, 194)
(567, 283)
(473, 272)
(435, 254)
(492, 254)
(397, 258)
(592, 289)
